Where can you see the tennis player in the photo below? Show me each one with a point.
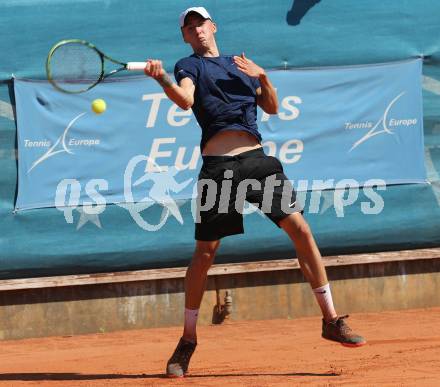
(223, 92)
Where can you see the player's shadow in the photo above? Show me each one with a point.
(50, 376)
(298, 11)
(40, 376)
(263, 374)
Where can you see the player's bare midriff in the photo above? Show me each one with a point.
(230, 143)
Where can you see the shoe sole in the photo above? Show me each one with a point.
(171, 376)
(349, 345)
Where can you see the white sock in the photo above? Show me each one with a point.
(324, 297)
(189, 329)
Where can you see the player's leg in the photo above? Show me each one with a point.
(308, 253)
(275, 199)
(334, 327)
(195, 285)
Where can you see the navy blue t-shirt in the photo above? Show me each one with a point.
(224, 97)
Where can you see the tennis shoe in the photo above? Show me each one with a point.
(339, 331)
(177, 366)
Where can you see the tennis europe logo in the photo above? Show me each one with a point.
(63, 144)
(384, 125)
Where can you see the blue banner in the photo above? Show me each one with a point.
(296, 33)
(336, 127)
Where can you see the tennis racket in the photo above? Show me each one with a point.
(75, 66)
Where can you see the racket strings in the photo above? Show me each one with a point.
(75, 67)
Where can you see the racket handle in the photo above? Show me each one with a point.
(136, 66)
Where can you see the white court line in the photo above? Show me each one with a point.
(6, 110)
(431, 84)
(433, 175)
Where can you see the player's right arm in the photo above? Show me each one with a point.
(182, 94)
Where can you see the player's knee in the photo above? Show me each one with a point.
(203, 260)
(304, 230)
(204, 256)
(297, 229)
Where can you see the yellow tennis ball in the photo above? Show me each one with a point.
(99, 106)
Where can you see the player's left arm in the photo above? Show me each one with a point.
(267, 97)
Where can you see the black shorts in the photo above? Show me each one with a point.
(225, 182)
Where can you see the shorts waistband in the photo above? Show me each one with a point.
(240, 156)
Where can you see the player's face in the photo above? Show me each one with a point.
(198, 31)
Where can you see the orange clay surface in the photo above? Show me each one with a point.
(403, 349)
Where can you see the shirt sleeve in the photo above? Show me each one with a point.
(255, 82)
(185, 68)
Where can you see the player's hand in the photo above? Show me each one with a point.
(247, 66)
(154, 68)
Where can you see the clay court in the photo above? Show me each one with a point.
(403, 349)
(101, 169)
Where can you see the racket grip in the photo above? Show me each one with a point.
(136, 66)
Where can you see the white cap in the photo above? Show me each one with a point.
(200, 10)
